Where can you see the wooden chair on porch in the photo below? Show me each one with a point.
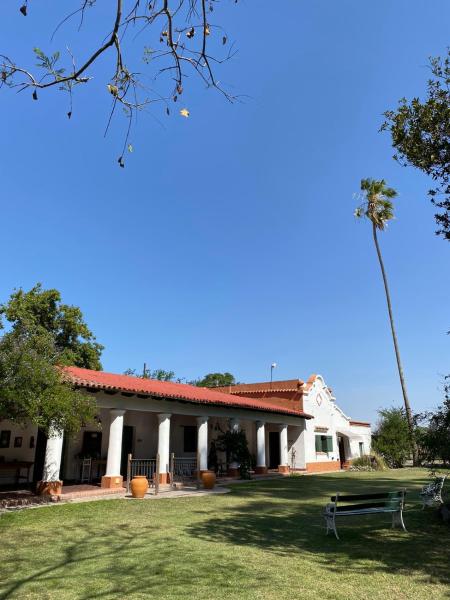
(86, 470)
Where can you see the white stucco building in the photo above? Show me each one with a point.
(330, 439)
(288, 425)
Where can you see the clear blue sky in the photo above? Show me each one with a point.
(228, 241)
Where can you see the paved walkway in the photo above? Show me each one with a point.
(185, 491)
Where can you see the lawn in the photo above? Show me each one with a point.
(263, 540)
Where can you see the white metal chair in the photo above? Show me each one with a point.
(431, 494)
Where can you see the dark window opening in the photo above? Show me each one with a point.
(92, 444)
(190, 438)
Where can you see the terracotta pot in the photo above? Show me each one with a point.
(208, 479)
(139, 486)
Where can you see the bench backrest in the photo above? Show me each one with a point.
(389, 500)
(435, 487)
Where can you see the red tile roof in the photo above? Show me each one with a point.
(360, 423)
(288, 385)
(166, 389)
(309, 383)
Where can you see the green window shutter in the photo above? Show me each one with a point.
(318, 443)
(329, 443)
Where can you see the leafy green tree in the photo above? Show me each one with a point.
(41, 312)
(33, 388)
(391, 438)
(378, 208)
(159, 374)
(212, 380)
(42, 335)
(435, 437)
(420, 132)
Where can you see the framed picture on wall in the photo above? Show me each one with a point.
(18, 442)
(5, 438)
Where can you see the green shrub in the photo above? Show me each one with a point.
(369, 462)
(391, 437)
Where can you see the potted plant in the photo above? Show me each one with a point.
(235, 446)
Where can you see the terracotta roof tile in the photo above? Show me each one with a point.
(288, 385)
(310, 382)
(166, 389)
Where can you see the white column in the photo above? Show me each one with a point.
(260, 446)
(52, 461)
(235, 424)
(114, 457)
(202, 443)
(284, 460)
(164, 445)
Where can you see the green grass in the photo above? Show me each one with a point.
(263, 540)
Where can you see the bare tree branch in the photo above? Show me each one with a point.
(184, 30)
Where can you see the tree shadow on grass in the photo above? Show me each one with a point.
(98, 561)
(285, 517)
(117, 549)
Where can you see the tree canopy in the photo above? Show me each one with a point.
(41, 312)
(215, 380)
(42, 335)
(420, 131)
(434, 438)
(210, 380)
(32, 388)
(159, 374)
(391, 438)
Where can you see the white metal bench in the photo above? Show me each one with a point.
(365, 504)
(431, 494)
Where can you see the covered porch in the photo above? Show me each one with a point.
(170, 447)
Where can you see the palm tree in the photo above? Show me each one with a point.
(379, 209)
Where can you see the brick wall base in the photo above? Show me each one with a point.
(164, 478)
(321, 467)
(260, 470)
(49, 488)
(283, 469)
(112, 482)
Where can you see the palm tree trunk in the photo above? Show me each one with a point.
(397, 352)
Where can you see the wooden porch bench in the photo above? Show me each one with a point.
(365, 504)
(15, 467)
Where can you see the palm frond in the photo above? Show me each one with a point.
(377, 205)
